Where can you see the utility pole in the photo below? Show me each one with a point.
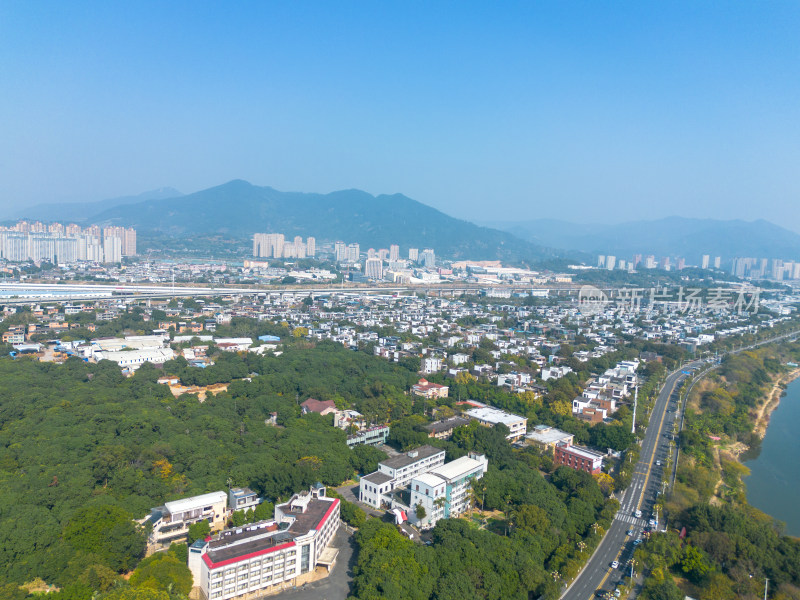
(635, 400)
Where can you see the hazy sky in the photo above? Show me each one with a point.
(574, 110)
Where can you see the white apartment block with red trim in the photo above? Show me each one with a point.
(259, 558)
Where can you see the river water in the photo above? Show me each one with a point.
(773, 485)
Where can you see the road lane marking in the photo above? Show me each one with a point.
(653, 455)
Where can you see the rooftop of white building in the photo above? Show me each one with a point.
(457, 468)
(184, 504)
(494, 415)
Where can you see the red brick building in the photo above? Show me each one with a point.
(580, 459)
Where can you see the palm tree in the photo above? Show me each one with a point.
(440, 502)
(477, 487)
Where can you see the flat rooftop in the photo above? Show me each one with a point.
(261, 537)
(377, 478)
(457, 468)
(494, 415)
(410, 457)
(429, 479)
(311, 519)
(548, 435)
(241, 542)
(446, 425)
(582, 452)
(195, 502)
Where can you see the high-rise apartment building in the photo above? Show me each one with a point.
(112, 249)
(373, 268)
(340, 250)
(428, 258)
(413, 254)
(394, 252)
(127, 237)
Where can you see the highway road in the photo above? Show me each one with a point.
(617, 545)
(641, 495)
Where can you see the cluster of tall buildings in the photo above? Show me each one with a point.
(64, 244)
(346, 253)
(275, 245)
(375, 263)
(379, 261)
(763, 268)
(640, 261)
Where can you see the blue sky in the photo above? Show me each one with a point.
(488, 111)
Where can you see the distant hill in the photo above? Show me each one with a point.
(239, 208)
(80, 211)
(671, 236)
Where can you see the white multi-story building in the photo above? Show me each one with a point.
(264, 557)
(488, 416)
(444, 491)
(432, 364)
(171, 521)
(396, 472)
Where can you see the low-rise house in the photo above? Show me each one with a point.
(133, 359)
(321, 407)
(547, 437)
(488, 416)
(443, 430)
(242, 499)
(554, 372)
(429, 390)
(370, 436)
(233, 344)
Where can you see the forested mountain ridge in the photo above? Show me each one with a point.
(239, 208)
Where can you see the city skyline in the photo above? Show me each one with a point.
(602, 114)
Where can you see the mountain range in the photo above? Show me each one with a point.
(238, 208)
(81, 211)
(671, 236)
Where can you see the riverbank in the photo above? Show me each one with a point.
(763, 412)
(771, 485)
(773, 400)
